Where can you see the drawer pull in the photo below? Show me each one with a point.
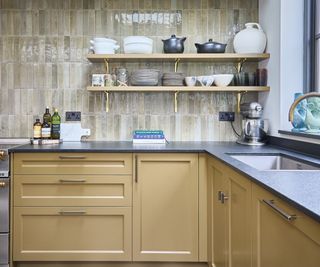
(285, 215)
(136, 169)
(72, 212)
(72, 180)
(72, 157)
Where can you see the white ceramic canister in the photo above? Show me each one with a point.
(252, 39)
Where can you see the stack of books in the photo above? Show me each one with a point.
(148, 137)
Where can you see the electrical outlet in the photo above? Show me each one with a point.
(226, 116)
(73, 116)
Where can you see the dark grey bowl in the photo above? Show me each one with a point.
(211, 47)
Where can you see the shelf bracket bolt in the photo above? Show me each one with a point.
(107, 101)
(176, 64)
(176, 101)
(240, 64)
(106, 63)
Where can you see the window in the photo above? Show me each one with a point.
(317, 46)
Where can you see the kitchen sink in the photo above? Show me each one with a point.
(275, 162)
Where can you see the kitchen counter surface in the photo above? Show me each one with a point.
(299, 188)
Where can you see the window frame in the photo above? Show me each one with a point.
(310, 37)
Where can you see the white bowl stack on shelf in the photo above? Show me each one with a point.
(137, 45)
(102, 45)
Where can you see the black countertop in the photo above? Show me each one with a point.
(299, 188)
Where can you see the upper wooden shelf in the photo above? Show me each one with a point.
(219, 57)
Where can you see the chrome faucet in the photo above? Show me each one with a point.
(297, 101)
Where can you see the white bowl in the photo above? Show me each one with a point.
(223, 79)
(102, 40)
(105, 48)
(190, 81)
(137, 45)
(206, 80)
(137, 39)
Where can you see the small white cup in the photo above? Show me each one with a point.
(190, 80)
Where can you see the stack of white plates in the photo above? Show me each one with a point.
(145, 77)
(137, 45)
(173, 79)
(102, 45)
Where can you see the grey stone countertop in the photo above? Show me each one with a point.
(299, 188)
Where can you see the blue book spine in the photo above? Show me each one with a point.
(148, 136)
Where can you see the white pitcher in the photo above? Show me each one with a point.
(252, 39)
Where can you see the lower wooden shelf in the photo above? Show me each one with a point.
(178, 89)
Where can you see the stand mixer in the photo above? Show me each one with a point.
(254, 129)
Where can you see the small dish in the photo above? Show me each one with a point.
(206, 80)
(190, 80)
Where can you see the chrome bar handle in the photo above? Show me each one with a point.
(72, 180)
(285, 215)
(136, 169)
(72, 212)
(2, 184)
(223, 198)
(72, 157)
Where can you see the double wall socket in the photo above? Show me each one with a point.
(226, 116)
(73, 116)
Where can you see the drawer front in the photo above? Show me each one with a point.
(72, 163)
(72, 234)
(4, 249)
(72, 190)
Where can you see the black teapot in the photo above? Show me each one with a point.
(211, 47)
(173, 45)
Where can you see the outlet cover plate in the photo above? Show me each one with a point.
(226, 116)
(73, 116)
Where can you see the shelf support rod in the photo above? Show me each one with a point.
(106, 63)
(239, 97)
(176, 64)
(107, 100)
(240, 64)
(176, 101)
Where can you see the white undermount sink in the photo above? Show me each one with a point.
(275, 162)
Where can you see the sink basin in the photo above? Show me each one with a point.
(275, 162)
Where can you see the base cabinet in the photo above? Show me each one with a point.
(165, 207)
(72, 234)
(280, 240)
(229, 209)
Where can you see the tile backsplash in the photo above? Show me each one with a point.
(43, 48)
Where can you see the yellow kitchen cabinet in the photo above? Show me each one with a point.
(72, 234)
(165, 207)
(72, 163)
(72, 190)
(229, 209)
(282, 235)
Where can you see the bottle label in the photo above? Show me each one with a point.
(46, 132)
(37, 131)
(55, 128)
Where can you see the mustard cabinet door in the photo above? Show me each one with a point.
(278, 241)
(72, 190)
(72, 234)
(165, 207)
(72, 163)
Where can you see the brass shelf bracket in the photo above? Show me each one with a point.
(107, 100)
(239, 97)
(106, 63)
(240, 64)
(176, 64)
(176, 101)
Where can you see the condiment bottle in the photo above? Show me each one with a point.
(37, 129)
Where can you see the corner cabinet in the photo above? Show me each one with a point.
(165, 207)
(282, 235)
(229, 209)
(177, 59)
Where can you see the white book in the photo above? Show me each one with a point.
(149, 141)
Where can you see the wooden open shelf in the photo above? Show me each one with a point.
(178, 89)
(219, 57)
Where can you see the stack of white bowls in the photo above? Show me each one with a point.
(137, 45)
(102, 45)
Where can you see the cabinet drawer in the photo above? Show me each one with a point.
(72, 234)
(72, 190)
(72, 163)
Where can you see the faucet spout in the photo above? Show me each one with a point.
(297, 101)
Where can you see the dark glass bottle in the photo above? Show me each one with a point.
(55, 125)
(47, 116)
(37, 129)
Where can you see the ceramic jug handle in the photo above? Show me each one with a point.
(252, 24)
